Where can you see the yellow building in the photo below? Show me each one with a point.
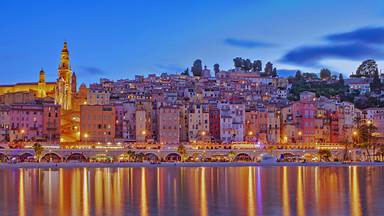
(62, 90)
(41, 89)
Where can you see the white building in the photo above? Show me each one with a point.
(198, 125)
(232, 118)
(98, 97)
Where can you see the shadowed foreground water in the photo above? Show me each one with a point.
(193, 191)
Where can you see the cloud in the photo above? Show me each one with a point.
(170, 68)
(92, 70)
(368, 35)
(312, 55)
(248, 44)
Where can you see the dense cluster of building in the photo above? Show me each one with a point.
(233, 106)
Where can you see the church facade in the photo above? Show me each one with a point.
(61, 91)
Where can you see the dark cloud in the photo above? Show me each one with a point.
(170, 68)
(369, 35)
(92, 70)
(249, 44)
(311, 55)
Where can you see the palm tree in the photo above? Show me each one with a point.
(131, 155)
(38, 148)
(231, 155)
(182, 152)
(346, 149)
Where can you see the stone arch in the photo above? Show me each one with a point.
(77, 156)
(151, 157)
(51, 157)
(172, 157)
(243, 157)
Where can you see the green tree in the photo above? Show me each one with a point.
(131, 155)
(367, 69)
(247, 65)
(298, 76)
(268, 69)
(197, 68)
(216, 68)
(231, 155)
(325, 74)
(257, 66)
(274, 72)
(185, 72)
(182, 152)
(341, 80)
(376, 83)
(366, 137)
(238, 62)
(38, 149)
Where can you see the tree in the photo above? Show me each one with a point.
(274, 72)
(366, 137)
(325, 74)
(216, 68)
(324, 154)
(268, 68)
(131, 155)
(247, 65)
(197, 68)
(182, 152)
(38, 149)
(341, 80)
(376, 83)
(238, 62)
(185, 72)
(310, 76)
(231, 155)
(257, 66)
(367, 69)
(298, 76)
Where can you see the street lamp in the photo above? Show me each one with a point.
(300, 134)
(86, 138)
(22, 134)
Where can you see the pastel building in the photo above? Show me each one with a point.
(98, 97)
(168, 123)
(17, 97)
(232, 119)
(198, 127)
(97, 123)
(33, 122)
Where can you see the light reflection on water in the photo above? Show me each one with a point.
(193, 191)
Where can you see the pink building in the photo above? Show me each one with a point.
(34, 122)
(168, 122)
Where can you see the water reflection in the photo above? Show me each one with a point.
(193, 191)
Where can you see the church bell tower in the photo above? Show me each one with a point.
(63, 94)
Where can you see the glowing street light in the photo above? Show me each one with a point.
(86, 138)
(250, 133)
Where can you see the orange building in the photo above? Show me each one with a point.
(97, 123)
(168, 122)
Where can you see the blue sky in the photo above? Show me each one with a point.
(118, 39)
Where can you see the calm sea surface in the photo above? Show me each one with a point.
(193, 191)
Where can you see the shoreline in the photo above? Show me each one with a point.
(70, 165)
